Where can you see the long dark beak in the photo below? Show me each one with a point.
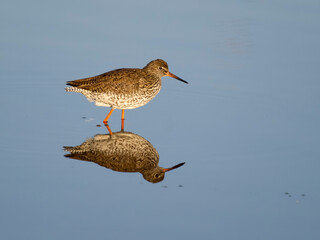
(174, 167)
(169, 74)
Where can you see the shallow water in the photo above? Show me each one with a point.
(246, 126)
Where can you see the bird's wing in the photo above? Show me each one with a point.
(119, 79)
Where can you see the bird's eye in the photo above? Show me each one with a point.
(160, 68)
(156, 175)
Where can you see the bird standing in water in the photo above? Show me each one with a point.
(124, 88)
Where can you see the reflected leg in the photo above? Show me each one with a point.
(109, 129)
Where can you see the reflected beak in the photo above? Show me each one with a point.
(174, 167)
(169, 74)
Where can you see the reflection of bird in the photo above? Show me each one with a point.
(124, 88)
(122, 152)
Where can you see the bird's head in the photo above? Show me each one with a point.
(161, 69)
(157, 174)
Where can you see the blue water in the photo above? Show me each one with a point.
(247, 125)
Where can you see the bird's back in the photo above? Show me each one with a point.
(117, 79)
(122, 152)
(124, 88)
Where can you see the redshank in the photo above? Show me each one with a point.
(124, 88)
(122, 152)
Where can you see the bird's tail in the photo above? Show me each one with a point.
(72, 89)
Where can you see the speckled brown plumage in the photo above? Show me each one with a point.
(124, 88)
(122, 152)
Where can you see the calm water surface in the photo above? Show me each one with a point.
(246, 126)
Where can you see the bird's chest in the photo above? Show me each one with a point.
(149, 89)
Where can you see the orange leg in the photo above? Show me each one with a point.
(107, 117)
(122, 120)
(109, 130)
